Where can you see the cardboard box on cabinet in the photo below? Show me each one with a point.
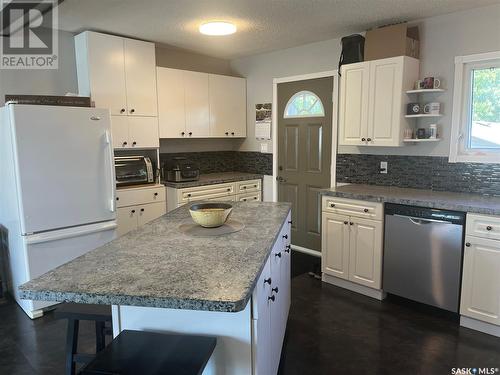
(392, 41)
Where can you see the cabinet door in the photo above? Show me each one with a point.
(143, 132)
(335, 245)
(481, 280)
(227, 106)
(149, 212)
(261, 322)
(197, 104)
(353, 108)
(127, 220)
(140, 75)
(120, 131)
(106, 72)
(365, 252)
(171, 108)
(384, 109)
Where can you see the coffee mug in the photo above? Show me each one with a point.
(431, 83)
(419, 84)
(432, 108)
(413, 108)
(421, 133)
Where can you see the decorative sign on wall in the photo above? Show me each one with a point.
(263, 115)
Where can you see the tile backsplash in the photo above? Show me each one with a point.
(420, 172)
(227, 161)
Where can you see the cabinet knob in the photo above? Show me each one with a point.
(346, 222)
(244, 199)
(467, 244)
(363, 139)
(133, 211)
(290, 222)
(275, 289)
(268, 281)
(124, 143)
(366, 210)
(278, 255)
(287, 248)
(122, 110)
(183, 133)
(332, 205)
(232, 133)
(190, 133)
(117, 198)
(489, 227)
(132, 110)
(369, 139)
(155, 194)
(134, 143)
(272, 298)
(228, 189)
(189, 194)
(255, 198)
(351, 223)
(285, 236)
(227, 133)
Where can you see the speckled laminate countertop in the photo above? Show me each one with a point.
(474, 203)
(214, 178)
(159, 266)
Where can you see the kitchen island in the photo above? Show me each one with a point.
(235, 287)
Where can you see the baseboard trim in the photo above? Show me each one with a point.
(353, 287)
(480, 326)
(307, 251)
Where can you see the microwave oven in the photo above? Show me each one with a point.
(133, 170)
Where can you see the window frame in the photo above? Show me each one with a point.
(462, 111)
(302, 93)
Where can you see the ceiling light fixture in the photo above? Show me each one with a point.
(217, 28)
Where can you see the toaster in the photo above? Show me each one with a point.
(180, 169)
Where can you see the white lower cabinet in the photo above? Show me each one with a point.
(138, 206)
(352, 246)
(270, 304)
(224, 192)
(480, 298)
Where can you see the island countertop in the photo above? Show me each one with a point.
(157, 265)
(466, 202)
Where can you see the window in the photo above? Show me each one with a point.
(476, 109)
(304, 104)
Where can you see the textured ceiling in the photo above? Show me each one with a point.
(264, 25)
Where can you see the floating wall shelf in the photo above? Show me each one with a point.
(420, 115)
(421, 140)
(423, 91)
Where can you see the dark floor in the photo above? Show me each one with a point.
(330, 331)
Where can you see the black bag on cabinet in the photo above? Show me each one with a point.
(353, 49)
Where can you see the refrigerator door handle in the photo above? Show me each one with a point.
(69, 232)
(109, 142)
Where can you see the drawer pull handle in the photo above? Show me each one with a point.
(272, 298)
(268, 281)
(366, 210)
(332, 205)
(489, 228)
(467, 244)
(275, 289)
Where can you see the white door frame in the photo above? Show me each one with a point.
(335, 76)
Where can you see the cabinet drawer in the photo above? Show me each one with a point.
(246, 186)
(483, 226)
(149, 212)
(351, 207)
(252, 197)
(135, 196)
(205, 192)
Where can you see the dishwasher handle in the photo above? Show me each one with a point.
(420, 221)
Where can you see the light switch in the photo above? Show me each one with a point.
(383, 167)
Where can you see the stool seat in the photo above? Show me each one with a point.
(151, 353)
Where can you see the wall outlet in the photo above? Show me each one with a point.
(383, 167)
(264, 147)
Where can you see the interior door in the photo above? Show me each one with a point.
(140, 74)
(65, 166)
(304, 154)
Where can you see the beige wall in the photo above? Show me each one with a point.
(442, 38)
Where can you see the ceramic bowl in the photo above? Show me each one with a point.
(210, 215)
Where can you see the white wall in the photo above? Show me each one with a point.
(442, 38)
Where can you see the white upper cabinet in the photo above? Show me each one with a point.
(171, 105)
(197, 104)
(117, 73)
(100, 64)
(373, 101)
(227, 106)
(140, 77)
(200, 105)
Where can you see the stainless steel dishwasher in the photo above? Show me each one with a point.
(423, 254)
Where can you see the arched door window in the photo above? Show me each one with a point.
(304, 104)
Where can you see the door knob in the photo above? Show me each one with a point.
(280, 179)
(280, 168)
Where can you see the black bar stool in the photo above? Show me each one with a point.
(151, 353)
(75, 312)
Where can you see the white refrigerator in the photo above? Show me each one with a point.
(57, 189)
